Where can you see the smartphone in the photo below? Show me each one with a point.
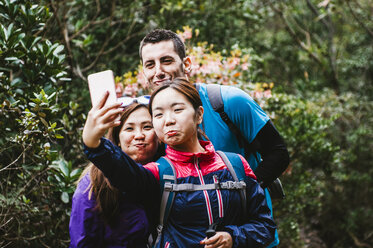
(99, 83)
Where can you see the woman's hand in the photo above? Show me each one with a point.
(220, 239)
(100, 118)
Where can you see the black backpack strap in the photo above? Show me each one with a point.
(216, 101)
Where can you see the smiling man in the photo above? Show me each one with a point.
(163, 57)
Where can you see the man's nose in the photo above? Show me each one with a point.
(159, 73)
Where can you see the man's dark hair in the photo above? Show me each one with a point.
(159, 35)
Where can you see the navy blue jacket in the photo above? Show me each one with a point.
(192, 212)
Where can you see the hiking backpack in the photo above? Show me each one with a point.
(216, 101)
(169, 186)
(214, 94)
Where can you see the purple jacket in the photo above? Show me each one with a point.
(87, 229)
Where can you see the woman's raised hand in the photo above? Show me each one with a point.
(220, 239)
(100, 118)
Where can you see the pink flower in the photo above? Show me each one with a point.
(130, 90)
(267, 93)
(245, 66)
(141, 80)
(187, 34)
(257, 94)
(119, 89)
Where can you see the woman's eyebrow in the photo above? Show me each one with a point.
(177, 103)
(172, 105)
(134, 123)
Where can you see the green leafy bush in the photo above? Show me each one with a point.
(327, 183)
(31, 70)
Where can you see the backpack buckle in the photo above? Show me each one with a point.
(216, 182)
(243, 184)
(159, 229)
(232, 185)
(168, 186)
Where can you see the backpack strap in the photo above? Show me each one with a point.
(167, 175)
(236, 168)
(216, 101)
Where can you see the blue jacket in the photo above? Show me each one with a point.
(192, 212)
(87, 229)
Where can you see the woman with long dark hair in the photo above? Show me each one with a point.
(103, 216)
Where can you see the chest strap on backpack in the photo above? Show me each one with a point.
(190, 187)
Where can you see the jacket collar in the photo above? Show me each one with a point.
(188, 156)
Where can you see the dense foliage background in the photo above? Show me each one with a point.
(308, 63)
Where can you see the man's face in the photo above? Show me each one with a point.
(161, 62)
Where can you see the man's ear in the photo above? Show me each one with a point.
(199, 114)
(187, 64)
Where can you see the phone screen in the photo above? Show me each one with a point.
(99, 83)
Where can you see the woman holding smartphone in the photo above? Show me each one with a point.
(103, 216)
(177, 111)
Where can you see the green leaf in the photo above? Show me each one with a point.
(58, 49)
(75, 173)
(11, 59)
(64, 168)
(51, 95)
(15, 81)
(43, 120)
(58, 178)
(25, 200)
(58, 136)
(9, 31)
(2, 32)
(36, 40)
(65, 197)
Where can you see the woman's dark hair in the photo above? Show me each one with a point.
(107, 196)
(186, 88)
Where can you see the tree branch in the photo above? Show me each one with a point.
(357, 242)
(327, 22)
(15, 161)
(370, 32)
(293, 34)
(128, 36)
(29, 181)
(101, 52)
(92, 22)
(316, 12)
(64, 32)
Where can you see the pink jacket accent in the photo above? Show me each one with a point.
(184, 162)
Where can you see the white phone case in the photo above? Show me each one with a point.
(99, 83)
